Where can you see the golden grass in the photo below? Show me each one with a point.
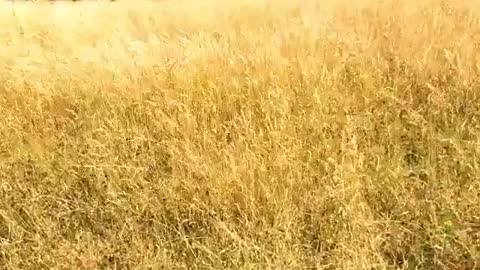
(253, 134)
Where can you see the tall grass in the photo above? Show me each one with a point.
(240, 135)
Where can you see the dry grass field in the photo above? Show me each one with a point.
(254, 134)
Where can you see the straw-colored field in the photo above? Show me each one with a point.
(253, 134)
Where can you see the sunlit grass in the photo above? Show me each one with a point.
(240, 135)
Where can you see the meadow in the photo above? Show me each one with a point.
(253, 134)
